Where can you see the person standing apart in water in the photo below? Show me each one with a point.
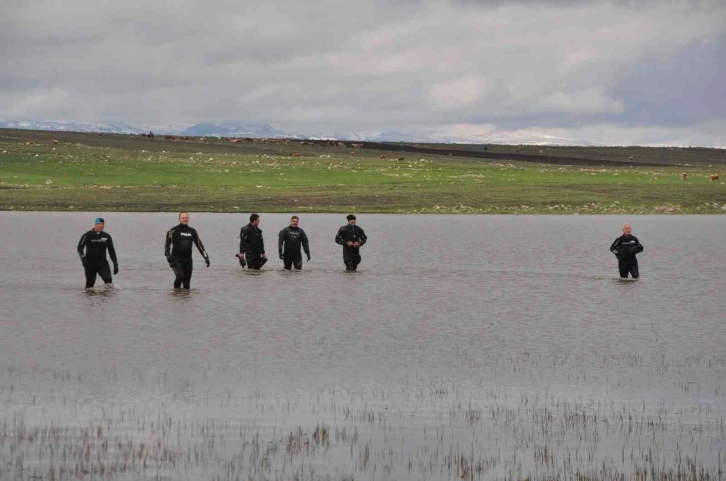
(625, 248)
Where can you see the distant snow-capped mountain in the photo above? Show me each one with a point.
(441, 137)
(69, 126)
(225, 129)
(166, 129)
(438, 137)
(236, 129)
(510, 138)
(232, 129)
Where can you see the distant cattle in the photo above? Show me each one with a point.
(357, 146)
(630, 158)
(297, 154)
(341, 144)
(235, 141)
(684, 176)
(713, 177)
(55, 142)
(401, 158)
(352, 154)
(383, 156)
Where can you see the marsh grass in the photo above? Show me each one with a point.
(547, 441)
(423, 429)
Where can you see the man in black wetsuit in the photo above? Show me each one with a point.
(625, 247)
(96, 241)
(351, 237)
(252, 245)
(288, 245)
(178, 250)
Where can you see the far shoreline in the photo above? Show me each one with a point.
(71, 172)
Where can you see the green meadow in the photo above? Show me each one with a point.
(90, 172)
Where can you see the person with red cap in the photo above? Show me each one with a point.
(351, 237)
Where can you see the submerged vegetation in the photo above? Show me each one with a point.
(77, 172)
(422, 429)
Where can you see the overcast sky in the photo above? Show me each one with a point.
(641, 72)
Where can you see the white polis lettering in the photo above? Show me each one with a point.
(185, 234)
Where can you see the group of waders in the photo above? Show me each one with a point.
(181, 240)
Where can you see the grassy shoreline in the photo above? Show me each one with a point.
(89, 172)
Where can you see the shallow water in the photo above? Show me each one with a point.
(465, 347)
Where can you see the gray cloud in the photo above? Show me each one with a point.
(527, 66)
(677, 87)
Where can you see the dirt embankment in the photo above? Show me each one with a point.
(542, 159)
(581, 156)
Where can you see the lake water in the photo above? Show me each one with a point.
(465, 347)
